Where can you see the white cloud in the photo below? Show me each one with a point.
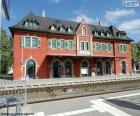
(112, 16)
(79, 18)
(55, 1)
(132, 26)
(90, 20)
(83, 13)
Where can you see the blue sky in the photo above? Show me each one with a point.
(109, 12)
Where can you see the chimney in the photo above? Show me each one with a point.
(43, 13)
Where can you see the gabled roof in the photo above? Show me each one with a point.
(46, 22)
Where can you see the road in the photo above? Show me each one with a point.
(114, 104)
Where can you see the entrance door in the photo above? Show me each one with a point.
(56, 66)
(68, 69)
(123, 67)
(99, 70)
(108, 68)
(31, 68)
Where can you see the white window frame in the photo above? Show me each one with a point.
(123, 48)
(69, 44)
(84, 45)
(61, 44)
(52, 43)
(31, 40)
(83, 30)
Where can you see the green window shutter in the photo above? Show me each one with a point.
(74, 44)
(98, 47)
(66, 44)
(111, 47)
(49, 43)
(39, 42)
(106, 47)
(94, 46)
(58, 44)
(22, 41)
(119, 48)
(126, 48)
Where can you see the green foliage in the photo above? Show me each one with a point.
(135, 52)
(6, 51)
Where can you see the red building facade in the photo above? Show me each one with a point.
(52, 48)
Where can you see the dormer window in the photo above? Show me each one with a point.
(102, 33)
(52, 28)
(26, 24)
(84, 31)
(70, 30)
(62, 29)
(96, 33)
(99, 33)
(108, 34)
(31, 23)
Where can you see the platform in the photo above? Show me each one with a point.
(51, 82)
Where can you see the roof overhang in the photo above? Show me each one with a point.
(12, 29)
(99, 56)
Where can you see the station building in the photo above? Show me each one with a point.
(51, 48)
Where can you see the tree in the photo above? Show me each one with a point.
(138, 46)
(6, 51)
(135, 52)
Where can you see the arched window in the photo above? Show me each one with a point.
(56, 69)
(99, 67)
(68, 69)
(31, 68)
(84, 31)
(108, 68)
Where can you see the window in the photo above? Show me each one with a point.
(84, 46)
(69, 44)
(31, 23)
(84, 31)
(69, 30)
(62, 46)
(103, 46)
(30, 41)
(54, 43)
(34, 42)
(123, 48)
(62, 29)
(102, 33)
(52, 28)
(108, 34)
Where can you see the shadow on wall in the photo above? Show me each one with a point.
(43, 69)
